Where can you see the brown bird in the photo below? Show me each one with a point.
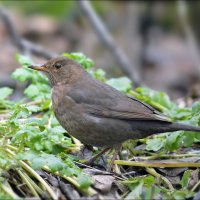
(97, 114)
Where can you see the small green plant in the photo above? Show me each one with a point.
(32, 137)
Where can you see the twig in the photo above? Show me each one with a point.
(95, 171)
(6, 188)
(157, 175)
(106, 37)
(27, 182)
(154, 157)
(156, 164)
(195, 186)
(190, 36)
(35, 175)
(23, 45)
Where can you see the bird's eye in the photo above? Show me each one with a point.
(57, 65)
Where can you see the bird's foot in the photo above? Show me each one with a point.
(94, 158)
(117, 149)
(91, 160)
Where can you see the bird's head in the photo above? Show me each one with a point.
(60, 70)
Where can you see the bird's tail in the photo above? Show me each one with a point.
(185, 127)
(147, 128)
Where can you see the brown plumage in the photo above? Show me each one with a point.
(96, 113)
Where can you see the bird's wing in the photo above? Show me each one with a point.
(101, 111)
(105, 101)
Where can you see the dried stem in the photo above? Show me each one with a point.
(156, 164)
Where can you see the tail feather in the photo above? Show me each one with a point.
(185, 127)
(153, 127)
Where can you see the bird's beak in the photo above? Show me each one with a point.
(38, 68)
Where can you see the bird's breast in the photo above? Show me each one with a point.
(67, 111)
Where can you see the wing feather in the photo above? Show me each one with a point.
(110, 103)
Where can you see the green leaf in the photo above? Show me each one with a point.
(182, 194)
(87, 63)
(38, 146)
(156, 97)
(19, 111)
(155, 144)
(99, 74)
(26, 74)
(58, 129)
(22, 75)
(181, 114)
(163, 99)
(136, 192)
(48, 145)
(122, 84)
(32, 91)
(5, 92)
(174, 140)
(38, 162)
(188, 138)
(33, 108)
(53, 162)
(31, 121)
(196, 108)
(84, 181)
(24, 60)
(145, 91)
(38, 91)
(185, 179)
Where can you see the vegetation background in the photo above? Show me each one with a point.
(131, 45)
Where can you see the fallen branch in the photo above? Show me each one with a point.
(24, 46)
(107, 39)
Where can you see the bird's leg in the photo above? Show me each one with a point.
(117, 149)
(91, 160)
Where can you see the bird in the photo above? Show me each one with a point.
(98, 114)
